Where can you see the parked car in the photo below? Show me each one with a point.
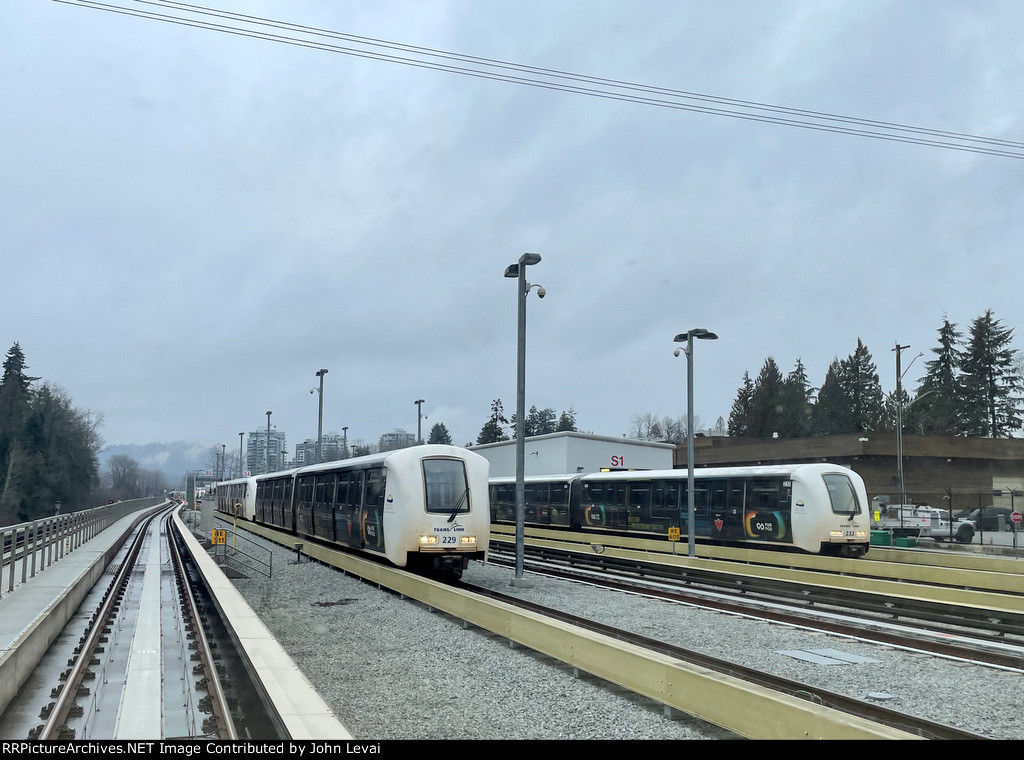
(990, 518)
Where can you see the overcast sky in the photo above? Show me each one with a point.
(194, 222)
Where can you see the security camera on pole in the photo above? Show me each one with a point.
(517, 271)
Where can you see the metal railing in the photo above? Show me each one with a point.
(31, 547)
(250, 555)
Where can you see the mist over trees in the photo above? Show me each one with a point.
(48, 448)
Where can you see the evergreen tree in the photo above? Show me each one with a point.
(439, 434)
(832, 414)
(940, 395)
(766, 401)
(567, 421)
(851, 398)
(17, 466)
(494, 429)
(992, 380)
(864, 388)
(739, 415)
(795, 401)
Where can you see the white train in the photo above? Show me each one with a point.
(423, 507)
(818, 508)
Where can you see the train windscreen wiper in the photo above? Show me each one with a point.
(458, 505)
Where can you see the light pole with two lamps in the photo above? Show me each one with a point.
(688, 338)
(517, 271)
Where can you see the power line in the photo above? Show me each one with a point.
(550, 79)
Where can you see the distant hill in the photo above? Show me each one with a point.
(172, 459)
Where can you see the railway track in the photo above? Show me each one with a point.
(978, 630)
(140, 657)
(910, 724)
(455, 603)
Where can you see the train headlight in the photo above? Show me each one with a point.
(467, 540)
(835, 534)
(428, 540)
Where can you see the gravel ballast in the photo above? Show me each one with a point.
(392, 669)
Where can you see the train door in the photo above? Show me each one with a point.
(351, 510)
(262, 514)
(275, 490)
(558, 513)
(323, 506)
(304, 505)
(287, 507)
(342, 524)
(638, 513)
(665, 505)
(726, 509)
(372, 518)
(767, 512)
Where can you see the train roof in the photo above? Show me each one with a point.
(398, 456)
(768, 470)
(751, 471)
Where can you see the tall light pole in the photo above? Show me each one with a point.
(320, 415)
(899, 425)
(223, 460)
(240, 465)
(419, 419)
(344, 442)
(688, 338)
(267, 450)
(518, 271)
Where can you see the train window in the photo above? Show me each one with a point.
(841, 494)
(324, 490)
(375, 487)
(640, 494)
(305, 494)
(446, 487)
(342, 495)
(767, 494)
(560, 494)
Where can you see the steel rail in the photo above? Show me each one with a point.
(56, 720)
(219, 703)
(866, 629)
(909, 723)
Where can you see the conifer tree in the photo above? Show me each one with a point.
(940, 395)
(739, 415)
(991, 380)
(494, 429)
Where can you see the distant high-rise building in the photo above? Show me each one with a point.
(256, 455)
(397, 439)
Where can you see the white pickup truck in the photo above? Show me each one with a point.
(921, 521)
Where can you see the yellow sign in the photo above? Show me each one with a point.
(219, 537)
(673, 534)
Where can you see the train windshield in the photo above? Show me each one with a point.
(842, 494)
(447, 489)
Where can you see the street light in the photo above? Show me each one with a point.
(240, 437)
(267, 449)
(320, 415)
(344, 442)
(517, 271)
(687, 338)
(419, 419)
